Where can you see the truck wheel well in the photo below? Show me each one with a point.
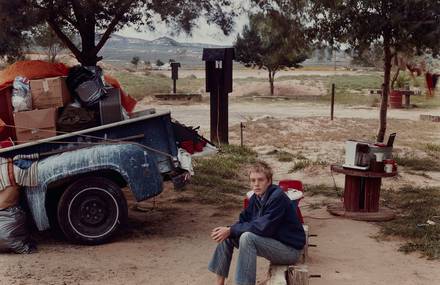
(56, 189)
(112, 175)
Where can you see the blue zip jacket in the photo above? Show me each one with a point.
(273, 216)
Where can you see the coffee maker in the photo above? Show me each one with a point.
(357, 155)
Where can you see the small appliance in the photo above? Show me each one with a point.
(357, 155)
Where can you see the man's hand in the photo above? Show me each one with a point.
(219, 234)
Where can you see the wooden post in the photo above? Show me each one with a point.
(175, 74)
(332, 101)
(223, 116)
(305, 251)
(241, 133)
(219, 69)
(298, 275)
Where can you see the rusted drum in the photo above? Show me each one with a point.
(396, 99)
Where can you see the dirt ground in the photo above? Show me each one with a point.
(167, 240)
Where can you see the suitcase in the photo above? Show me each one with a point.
(110, 109)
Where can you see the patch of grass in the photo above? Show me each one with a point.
(182, 199)
(433, 149)
(423, 174)
(222, 178)
(191, 76)
(212, 196)
(346, 85)
(219, 183)
(140, 86)
(300, 156)
(357, 82)
(304, 163)
(413, 162)
(283, 156)
(240, 153)
(323, 189)
(426, 102)
(344, 97)
(151, 83)
(219, 165)
(315, 206)
(190, 84)
(342, 82)
(299, 165)
(416, 205)
(251, 94)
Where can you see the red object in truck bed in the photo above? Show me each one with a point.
(6, 113)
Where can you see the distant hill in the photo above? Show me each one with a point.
(119, 50)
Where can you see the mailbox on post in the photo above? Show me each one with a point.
(175, 74)
(218, 64)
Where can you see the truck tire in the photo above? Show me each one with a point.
(91, 210)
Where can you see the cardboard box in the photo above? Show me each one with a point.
(35, 125)
(49, 93)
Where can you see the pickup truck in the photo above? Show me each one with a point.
(81, 174)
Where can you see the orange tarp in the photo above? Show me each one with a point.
(37, 69)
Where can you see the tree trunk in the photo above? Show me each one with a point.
(393, 81)
(271, 82)
(385, 89)
(88, 51)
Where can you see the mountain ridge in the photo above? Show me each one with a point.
(121, 49)
(164, 40)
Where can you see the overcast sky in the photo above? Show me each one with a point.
(204, 33)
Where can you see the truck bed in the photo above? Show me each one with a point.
(154, 131)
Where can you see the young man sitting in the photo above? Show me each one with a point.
(268, 227)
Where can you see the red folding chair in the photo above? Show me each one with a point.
(297, 185)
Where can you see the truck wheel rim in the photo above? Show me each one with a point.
(97, 210)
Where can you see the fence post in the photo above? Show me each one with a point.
(332, 102)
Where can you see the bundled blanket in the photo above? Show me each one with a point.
(21, 170)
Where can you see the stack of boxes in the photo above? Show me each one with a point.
(50, 103)
(48, 95)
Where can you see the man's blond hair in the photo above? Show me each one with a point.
(261, 167)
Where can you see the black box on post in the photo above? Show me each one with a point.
(219, 66)
(175, 70)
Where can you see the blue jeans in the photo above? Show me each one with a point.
(250, 246)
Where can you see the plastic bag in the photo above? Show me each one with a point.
(21, 95)
(86, 84)
(14, 234)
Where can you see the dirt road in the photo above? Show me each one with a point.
(198, 114)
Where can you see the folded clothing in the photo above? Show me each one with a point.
(26, 169)
(22, 170)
